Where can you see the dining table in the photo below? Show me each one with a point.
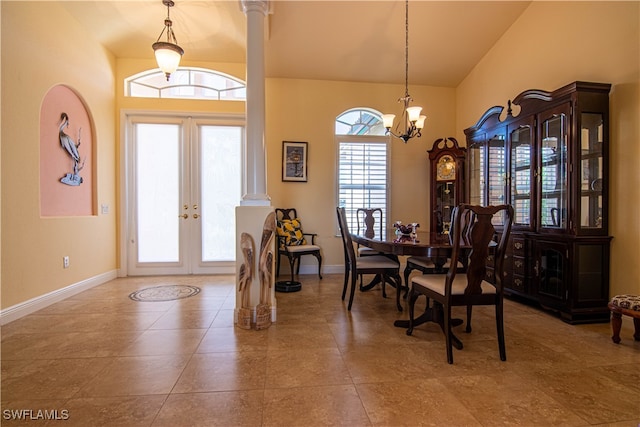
(436, 246)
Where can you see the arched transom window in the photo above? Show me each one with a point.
(360, 121)
(186, 83)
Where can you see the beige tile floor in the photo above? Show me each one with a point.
(106, 360)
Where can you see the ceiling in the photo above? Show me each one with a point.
(329, 40)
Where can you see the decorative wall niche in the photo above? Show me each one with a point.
(66, 155)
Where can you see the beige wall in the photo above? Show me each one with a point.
(305, 110)
(553, 44)
(43, 46)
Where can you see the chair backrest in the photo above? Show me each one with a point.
(288, 213)
(350, 253)
(366, 218)
(480, 237)
(466, 219)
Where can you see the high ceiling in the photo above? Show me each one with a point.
(329, 40)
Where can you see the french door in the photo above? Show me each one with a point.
(184, 178)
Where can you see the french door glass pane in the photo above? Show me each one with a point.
(220, 187)
(157, 190)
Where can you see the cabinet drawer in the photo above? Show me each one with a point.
(519, 283)
(519, 265)
(518, 246)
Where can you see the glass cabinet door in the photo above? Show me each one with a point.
(591, 173)
(496, 162)
(497, 170)
(476, 169)
(553, 172)
(520, 173)
(550, 267)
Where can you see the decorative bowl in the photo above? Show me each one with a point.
(405, 229)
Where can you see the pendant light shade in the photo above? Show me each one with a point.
(168, 53)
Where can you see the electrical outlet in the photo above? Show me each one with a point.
(104, 209)
(65, 262)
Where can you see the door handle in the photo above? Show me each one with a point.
(185, 216)
(195, 216)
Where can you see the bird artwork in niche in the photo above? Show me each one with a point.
(71, 148)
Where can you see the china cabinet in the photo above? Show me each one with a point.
(548, 156)
(447, 183)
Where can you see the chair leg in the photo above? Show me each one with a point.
(407, 272)
(319, 258)
(411, 301)
(616, 324)
(468, 328)
(398, 291)
(500, 330)
(354, 279)
(447, 333)
(292, 263)
(347, 270)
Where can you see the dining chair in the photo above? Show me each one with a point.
(387, 268)
(452, 289)
(292, 241)
(366, 219)
(426, 264)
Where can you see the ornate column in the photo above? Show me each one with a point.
(256, 176)
(255, 293)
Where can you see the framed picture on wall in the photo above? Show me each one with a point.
(294, 161)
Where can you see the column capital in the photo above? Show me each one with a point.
(255, 6)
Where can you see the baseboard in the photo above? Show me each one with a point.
(38, 303)
(313, 269)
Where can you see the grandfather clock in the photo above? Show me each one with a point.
(447, 183)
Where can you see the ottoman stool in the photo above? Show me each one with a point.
(629, 305)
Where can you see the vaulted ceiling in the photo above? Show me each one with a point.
(329, 40)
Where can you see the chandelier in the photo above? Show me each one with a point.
(168, 53)
(412, 122)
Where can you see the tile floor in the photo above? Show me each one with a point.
(101, 359)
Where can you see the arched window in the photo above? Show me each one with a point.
(186, 83)
(363, 167)
(360, 121)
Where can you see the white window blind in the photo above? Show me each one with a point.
(362, 178)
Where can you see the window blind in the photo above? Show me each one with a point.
(362, 178)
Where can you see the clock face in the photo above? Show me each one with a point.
(446, 168)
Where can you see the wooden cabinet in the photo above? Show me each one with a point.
(447, 183)
(550, 161)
